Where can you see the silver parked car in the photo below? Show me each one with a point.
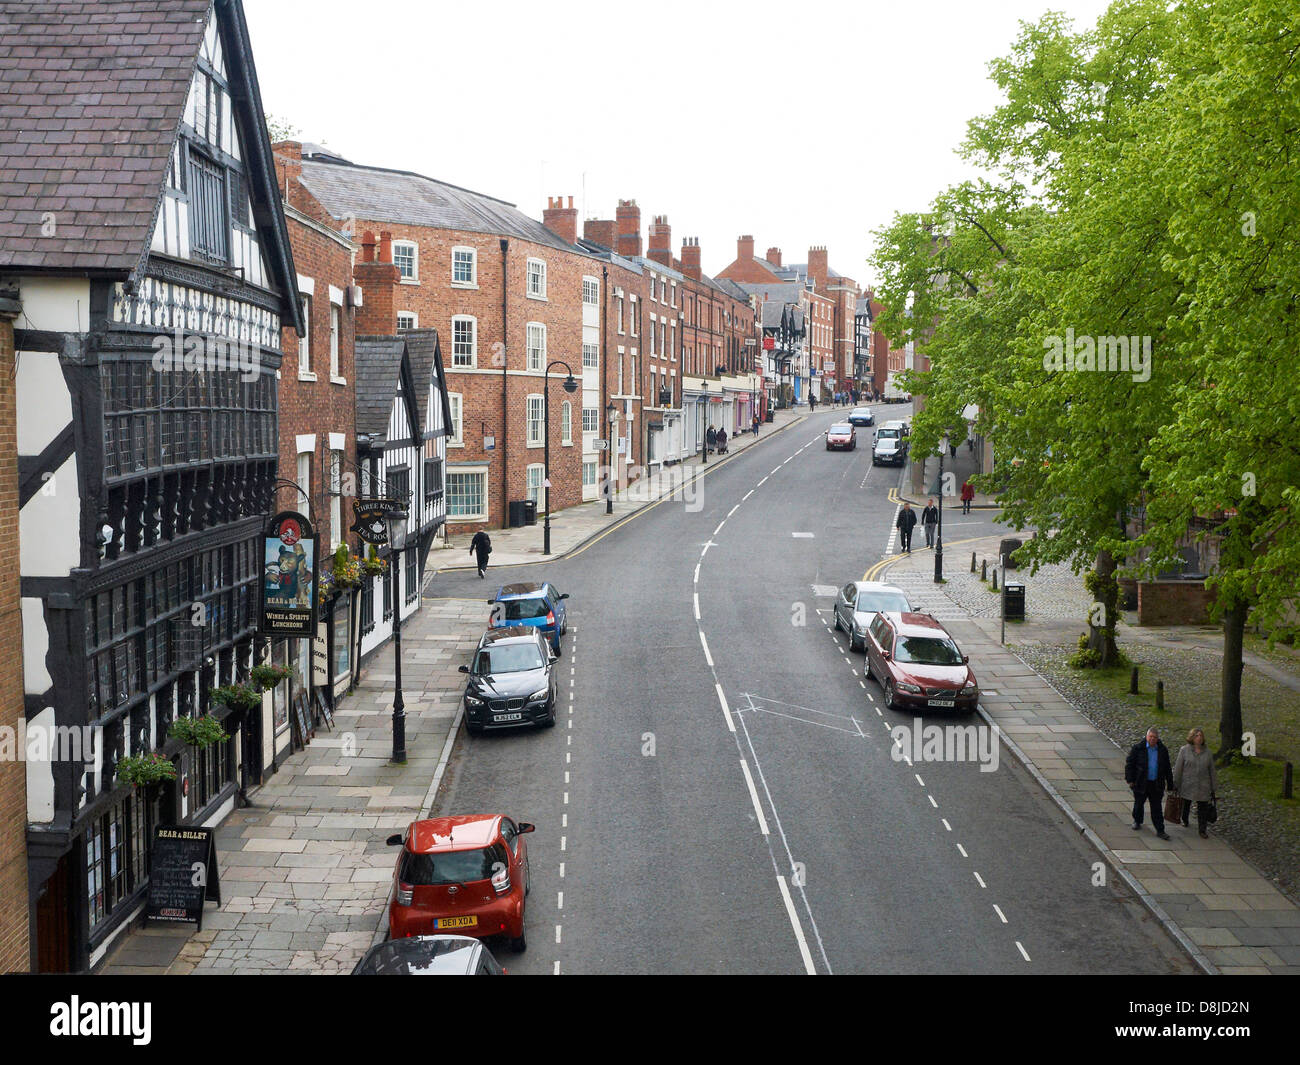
(858, 603)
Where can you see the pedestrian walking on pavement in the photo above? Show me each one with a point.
(481, 547)
(812, 403)
(967, 494)
(905, 524)
(755, 425)
(930, 522)
(1148, 773)
(1195, 780)
(952, 449)
(722, 441)
(710, 440)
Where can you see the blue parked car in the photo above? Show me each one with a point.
(539, 605)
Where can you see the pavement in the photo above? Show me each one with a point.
(575, 526)
(1225, 913)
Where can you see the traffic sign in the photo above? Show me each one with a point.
(601, 445)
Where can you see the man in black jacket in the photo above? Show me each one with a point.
(929, 521)
(710, 440)
(905, 524)
(481, 547)
(1148, 773)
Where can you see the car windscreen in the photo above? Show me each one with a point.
(522, 609)
(450, 867)
(844, 429)
(883, 601)
(888, 434)
(861, 412)
(926, 651)
(507, 658)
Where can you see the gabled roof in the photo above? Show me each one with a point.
(91, 96)
(426, 366)
(378, 370)
(400, 196)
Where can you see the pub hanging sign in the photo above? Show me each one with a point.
(288, 605)
(371, 524)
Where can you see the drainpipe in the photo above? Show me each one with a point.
(505, 383)
(604, 369)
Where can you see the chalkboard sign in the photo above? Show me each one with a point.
(302, 725)
(323, 709)
(183, 873)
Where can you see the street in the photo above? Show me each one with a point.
(721, 796)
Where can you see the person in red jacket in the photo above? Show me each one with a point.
(967, 494)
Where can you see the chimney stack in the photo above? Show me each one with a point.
(774, 256)
(600, 231)
(691, 258)
(745, 248)
(378, 278)
(288, 166)
(661, 241)
(561, 220)
(817, 266)
(628, 217)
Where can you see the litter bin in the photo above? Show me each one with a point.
(529, 511)
(516, 513)
(1013, 600)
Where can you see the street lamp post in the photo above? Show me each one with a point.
(611, 417)
(396, 543)
(938, 535)
(570, 386)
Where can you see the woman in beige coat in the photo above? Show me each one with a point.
(1195, 779)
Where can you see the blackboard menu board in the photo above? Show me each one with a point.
(183, 873)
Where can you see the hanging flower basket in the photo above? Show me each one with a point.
(372, 565)
(237, 696)
(142, 770)
(346, 572)
(198, 731)
(267, 676)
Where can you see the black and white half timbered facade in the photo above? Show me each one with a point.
(155, 274)
(402, 418)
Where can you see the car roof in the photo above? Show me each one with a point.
(878, 586)
(465, 832)
(914, 623)
(509, 634)
(425, 956)
(521, 590)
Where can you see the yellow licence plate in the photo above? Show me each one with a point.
(455, 922)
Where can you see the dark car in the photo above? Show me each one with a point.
(429, 956)
(862, 416)
(511, 681)
(539, 605)
(918, 665)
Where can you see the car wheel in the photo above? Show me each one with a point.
(549, 722)
(889, 695)
(556, 647)
(519, 944)
(854, 643)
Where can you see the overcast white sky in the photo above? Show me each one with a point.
(801, 123)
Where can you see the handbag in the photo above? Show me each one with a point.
(1173, 806)
(1212, 814)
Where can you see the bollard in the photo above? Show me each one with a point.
(1133, 682)
(984, 570)
(995, 580)
(1160, 695)
(1286, 781)
(972, 561)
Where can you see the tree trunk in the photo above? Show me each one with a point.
(1234, 628)
(1105, 590)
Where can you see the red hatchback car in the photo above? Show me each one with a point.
(918, 665)
(466, 875)
(842, 436)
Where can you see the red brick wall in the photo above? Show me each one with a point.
(322, 406)
(14, 945)
(1173, 603)
(746, 268)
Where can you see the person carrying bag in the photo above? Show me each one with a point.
(1196, 780)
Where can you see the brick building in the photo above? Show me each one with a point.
(15, 915)
(504, 293)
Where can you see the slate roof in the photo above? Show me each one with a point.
(378, 370)
(91, 93)
(599, 251)
(399, 196)
(731, 289)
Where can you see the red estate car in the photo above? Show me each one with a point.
(842, 435)
(918, 664)
(466, 874)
